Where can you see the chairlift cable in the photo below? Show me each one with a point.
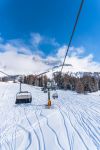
(73, 31)
(4, 73)
(71, 37)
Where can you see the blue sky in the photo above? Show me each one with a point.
(53, 21)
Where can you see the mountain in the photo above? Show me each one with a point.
(71, 71)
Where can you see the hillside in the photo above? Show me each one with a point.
(73, 122)
(72, 71)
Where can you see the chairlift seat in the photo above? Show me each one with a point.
(45, 91)
(23, 97)
(55, 95)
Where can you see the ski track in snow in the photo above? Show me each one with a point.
(32, 129)
(72, 124)
(54, 132)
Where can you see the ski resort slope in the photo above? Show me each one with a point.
(73, 122)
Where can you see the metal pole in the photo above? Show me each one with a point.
(48, 94)
(20, 87)
(49, 101)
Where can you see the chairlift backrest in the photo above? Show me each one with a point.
(55, 95)
(23, 97)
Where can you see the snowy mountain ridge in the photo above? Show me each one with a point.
(71, 71)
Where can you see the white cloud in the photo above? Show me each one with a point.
(10, 46)
(86, 64)
(15, 63)
(36, 39)
(61, 51)
(51, 41)
(17, 58)
(73, 51)
(76, 51)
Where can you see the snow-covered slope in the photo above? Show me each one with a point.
(2, 75)
(71, 71)
(73, 122)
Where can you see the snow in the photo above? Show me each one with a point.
(71, 71)
(2, 75)
(73, 122)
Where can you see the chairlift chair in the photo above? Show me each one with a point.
(23, 97)
(45, 90)
(42, 89)
(55, 95)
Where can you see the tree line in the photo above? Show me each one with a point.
(88, 82)
(84, 84)
(36, 81)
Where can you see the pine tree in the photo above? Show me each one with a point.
(79, 86)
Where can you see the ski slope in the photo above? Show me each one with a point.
(73, 122)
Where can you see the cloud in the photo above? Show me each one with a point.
(85, 64)
(37, 40)
(14, 46)
(61, 51)
(73, 51)
(51, 41)
(15, 63)
(16, 57)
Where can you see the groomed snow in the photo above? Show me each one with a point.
(73, 122)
